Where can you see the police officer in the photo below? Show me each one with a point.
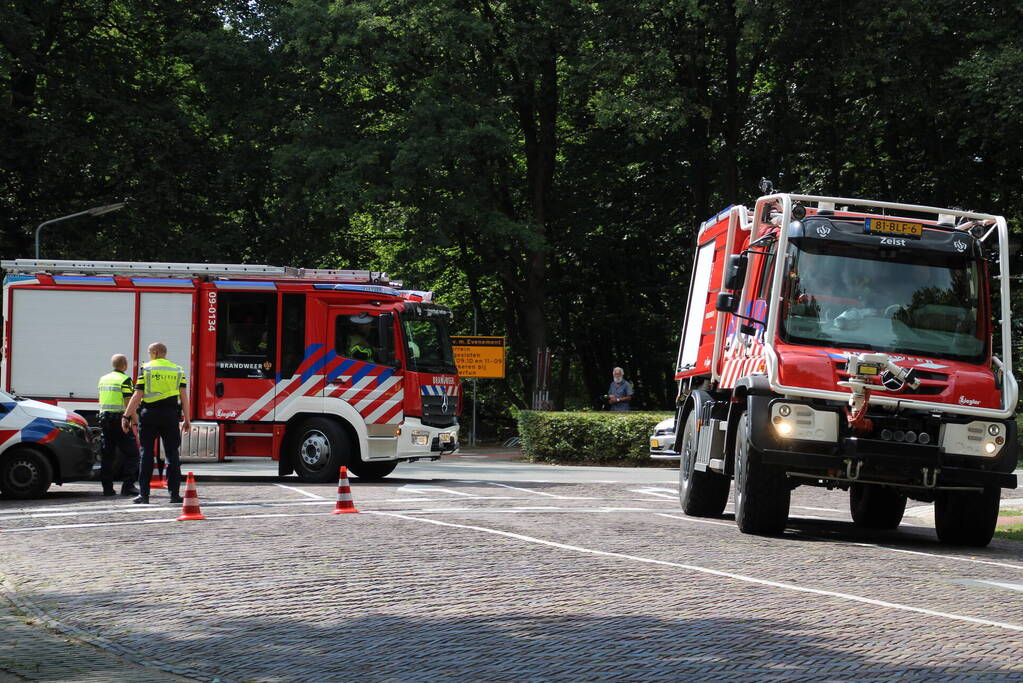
(114, 391)
(161, 390)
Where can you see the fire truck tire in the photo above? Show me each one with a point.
(319, 446)
(25, 473)
(370, 471)
(876, 507)
(762, 492)
(702, 494)
(965, 517)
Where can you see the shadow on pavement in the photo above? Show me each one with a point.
(518, 646)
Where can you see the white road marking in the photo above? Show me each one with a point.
(651, 491)
(304, 493)
(535, 492)
(1002, 584)
(694, 519)
(715, 572)
(939, 555)
(77, 511)
(417, 511)
(411, 488)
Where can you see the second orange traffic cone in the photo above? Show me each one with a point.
(344, 494)
(190, 508)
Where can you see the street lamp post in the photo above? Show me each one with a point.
(94, 211)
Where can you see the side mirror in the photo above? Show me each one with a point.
(727, 302)
(735, 273)
(386, 328)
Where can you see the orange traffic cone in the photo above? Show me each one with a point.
(157, 481)
(344, 494)
(190, 508)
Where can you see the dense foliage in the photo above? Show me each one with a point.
(594, 437)
(541, 165)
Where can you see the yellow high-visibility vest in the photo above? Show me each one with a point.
(113, 392)
(160, 379)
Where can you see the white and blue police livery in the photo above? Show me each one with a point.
(40, 444)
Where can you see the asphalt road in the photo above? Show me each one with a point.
(489, 569)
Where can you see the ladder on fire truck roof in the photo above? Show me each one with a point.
(206, 270)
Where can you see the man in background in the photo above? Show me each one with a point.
(619, 394)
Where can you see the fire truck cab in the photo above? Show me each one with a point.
(313, 368)
(850, 344)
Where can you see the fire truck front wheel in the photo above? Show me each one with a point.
(702, 494)
(876, 507)
(762, 492)
(25, 473)
(318, 449)
(966, 517)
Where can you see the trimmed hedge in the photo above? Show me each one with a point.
(609, 438)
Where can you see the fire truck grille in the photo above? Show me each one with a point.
(931, 383)
(439, 411)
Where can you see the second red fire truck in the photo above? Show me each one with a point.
(852, 344)
(313, 368)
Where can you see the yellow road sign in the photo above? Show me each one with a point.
(481, 357)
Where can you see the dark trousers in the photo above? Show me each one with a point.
(113, 443)
(159, 423)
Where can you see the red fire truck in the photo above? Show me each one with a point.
(850, 344)
(313, 368)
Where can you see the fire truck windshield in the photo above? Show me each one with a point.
(855, 296)
(427, 343)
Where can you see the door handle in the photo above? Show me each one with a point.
(218, 389)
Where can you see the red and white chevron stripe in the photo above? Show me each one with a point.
(735, 368)
(377, 402)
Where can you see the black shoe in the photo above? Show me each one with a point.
(175, 499)
(127, 491)
(141, 500)
(110, 492)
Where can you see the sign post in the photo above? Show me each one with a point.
(478, 358)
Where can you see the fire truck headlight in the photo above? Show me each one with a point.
(420, 438)
(978, 438)
(800, 421)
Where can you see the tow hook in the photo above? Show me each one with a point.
(932, 474)
(849, 474)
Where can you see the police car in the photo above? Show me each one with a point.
(41, 444)
(662, 441)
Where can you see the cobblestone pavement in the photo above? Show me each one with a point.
(497, 581)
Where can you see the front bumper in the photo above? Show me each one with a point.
(75, 457)
(911, 465)
(423, 441)
(869, 459)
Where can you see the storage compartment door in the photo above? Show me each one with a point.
(62, 340)
(699, 306)
(167, 317)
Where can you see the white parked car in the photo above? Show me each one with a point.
(662, 441)
(40, 445)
